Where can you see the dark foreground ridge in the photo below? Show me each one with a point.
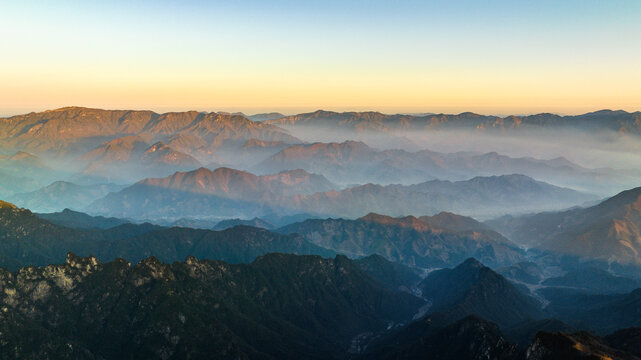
(278, 307)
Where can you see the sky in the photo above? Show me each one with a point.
(491, 57)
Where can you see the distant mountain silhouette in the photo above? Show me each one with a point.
(265, 116)
(131, 157)
(230, 193)
(72, 130)
(62, 194)
(479, 197)
(225, 192)
(618, 121)
(78, 220)
(355, 162)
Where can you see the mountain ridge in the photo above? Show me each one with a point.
(609, 231)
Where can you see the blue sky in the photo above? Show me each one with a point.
(485, 56)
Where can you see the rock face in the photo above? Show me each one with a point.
(280, 306)
(409, 240)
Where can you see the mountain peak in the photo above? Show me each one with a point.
(87, 263)
(407, 221)
(449, 220)
(471, 263)
(7, 205)
(623, 198)
(473, 288)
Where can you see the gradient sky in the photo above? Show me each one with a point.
(496, 57)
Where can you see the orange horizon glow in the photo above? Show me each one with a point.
(291, 57)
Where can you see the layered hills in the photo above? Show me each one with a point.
(23, 172)
(12, 184)
(73, 123)
(230, 193)
(609, 231)
(131, 157)
(255, 222)
(27, 239)
(234, 140)
(481, 197)
(356, 162)
(617, 121)
(410, 240)
(78, 220)
(278, 306)
(223, 192)
(62, 194)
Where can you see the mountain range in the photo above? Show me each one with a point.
(481, 197)
(223, 192)
(130, 158)
(23, 172)
(27, 239)
(277, 307)
(78, 220)
(426, 242)
(230, 193)
(76, 130)
(356, 162)
(617, 121)
(222, 139)
(324, 235)
(609, 231)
